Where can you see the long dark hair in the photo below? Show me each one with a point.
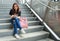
(14, 9)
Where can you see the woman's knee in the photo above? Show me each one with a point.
(15, 18)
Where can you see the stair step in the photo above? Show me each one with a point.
(22, 15)
(12, 4)
(7, 20)
(1, 7)
(7, 13)
(4, 9)
(4, 16)
(30, 29)
(7, 1)
(7, 25)
(9, 7)
(47, 39)
(2, 12)
(28, 22)
(27, 37)
(7, 10)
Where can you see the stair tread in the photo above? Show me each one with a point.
(29, 27)
(10, 23)
(9, 15)
(10, 18)
(28, 35)
(47, 39)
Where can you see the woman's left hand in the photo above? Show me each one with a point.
(18, 17)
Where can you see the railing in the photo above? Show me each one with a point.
(49, 11)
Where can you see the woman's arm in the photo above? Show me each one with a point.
(19, 14)
(11, 13)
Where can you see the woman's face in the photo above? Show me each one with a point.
(15, 7)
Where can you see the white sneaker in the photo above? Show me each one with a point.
(22, 30)
(18, 29)
(17, 36)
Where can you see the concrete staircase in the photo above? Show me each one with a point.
(34, 32)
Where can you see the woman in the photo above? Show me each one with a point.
(15, 15)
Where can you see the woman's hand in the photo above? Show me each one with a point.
(15, 15)
(12, 16)
(18, 17)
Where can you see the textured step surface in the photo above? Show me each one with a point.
(10, 9)
(7, 25)
(3, 19)
(10, 6)
(7, 20)
(27, 37)
(8, 12)
(47, 39)
(22, 15)
(30, 29)
(7, 1)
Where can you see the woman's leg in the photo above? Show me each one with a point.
(18, 23)
(14, 25)
(15, 28)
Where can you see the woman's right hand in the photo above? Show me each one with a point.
(12, 16)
